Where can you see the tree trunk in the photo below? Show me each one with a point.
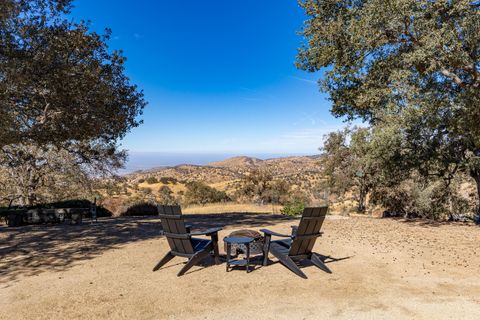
(17, 185)
(477, 180)
(361, 199)
(27, 182)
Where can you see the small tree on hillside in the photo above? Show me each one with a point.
(259, 186)
(151, 180)
(348, 162)
(200, 193)
(166, 196)
(255, 186)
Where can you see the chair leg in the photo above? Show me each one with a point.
(288, 262)
(216, 254)
(169, 256)
(319, 263)
(266, 248)
(199, 256)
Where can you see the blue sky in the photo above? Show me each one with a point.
(219, 76)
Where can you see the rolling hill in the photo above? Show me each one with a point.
(302, 172)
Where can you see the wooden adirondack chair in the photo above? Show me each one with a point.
(299, 244)
(182, 243)
(164, 209)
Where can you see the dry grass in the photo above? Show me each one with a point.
(176, 188)
(232, 207)
(224, 185)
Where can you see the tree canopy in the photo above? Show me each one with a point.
(410, 64)
(62, 89)
(60, 84)
(349, 162)
(390, 55)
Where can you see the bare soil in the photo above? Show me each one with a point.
(382, 269)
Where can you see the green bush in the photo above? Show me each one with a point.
(167, 180)
(140, 209)
(293, 207)
(417, 198)
(259, 187)
(151, 180)
(200, 193)
(166, 196)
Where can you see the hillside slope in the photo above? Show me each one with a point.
(302, 172)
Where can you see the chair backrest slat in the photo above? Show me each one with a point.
(173, 210)
(310, 224)
(174, 224)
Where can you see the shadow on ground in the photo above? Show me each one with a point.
(432, 223)
(30, 250)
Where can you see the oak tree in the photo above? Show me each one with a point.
(61, 90)
(416, 61)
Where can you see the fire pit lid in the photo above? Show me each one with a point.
(246, 233)
(256, 247)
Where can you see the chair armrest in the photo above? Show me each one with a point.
(308, 236)
(206, 232)
(294, 230)
(276, 234)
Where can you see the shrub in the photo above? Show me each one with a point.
(259, 187)
(78, 203)
(277, 192)
(151, 180)
(140, 209)
(430, 199)
(167, 180)
(293, 207)
(200, 193)
(146, 190)
(166, 196)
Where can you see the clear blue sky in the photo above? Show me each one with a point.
(219, 75)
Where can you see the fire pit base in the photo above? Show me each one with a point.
(256, 247)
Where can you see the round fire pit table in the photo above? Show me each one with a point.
(246, 241)
(256, 247)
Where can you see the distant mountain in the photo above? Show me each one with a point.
(142, 161)
(304, 172)
(276, 166)
(237, 162)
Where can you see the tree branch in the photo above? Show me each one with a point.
(452, 76)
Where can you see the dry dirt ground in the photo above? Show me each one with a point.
(384, 269)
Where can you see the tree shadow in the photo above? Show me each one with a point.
(31, 250)
(432, 223)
